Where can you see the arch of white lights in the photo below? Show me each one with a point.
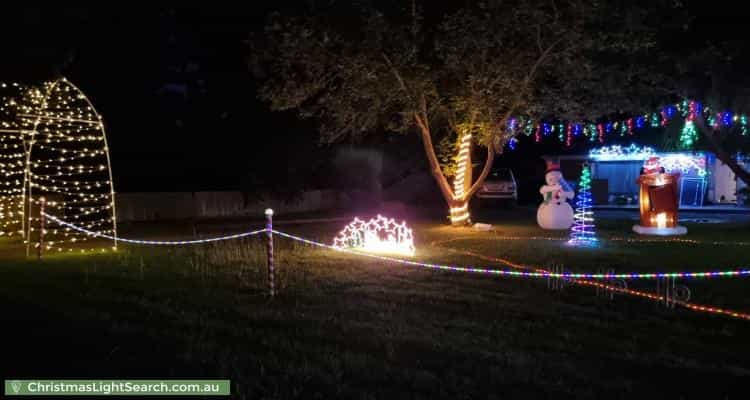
(54, 151)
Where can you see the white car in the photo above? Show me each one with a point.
(499, 185)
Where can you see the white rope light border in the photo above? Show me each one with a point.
(444, 267)
(152, 242)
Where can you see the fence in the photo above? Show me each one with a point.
(154, 206)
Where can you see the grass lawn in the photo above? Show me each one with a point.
(351, 327)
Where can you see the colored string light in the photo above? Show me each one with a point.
(611, 239)
(655, 122)
(582, 231)
(575, 278)
(489, 271)
(524, 274)
(621, 290)
(512, 143)
(688, 135)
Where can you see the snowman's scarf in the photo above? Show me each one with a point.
(565, 187)
(548, 196)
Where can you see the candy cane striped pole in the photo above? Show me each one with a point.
(271, 271)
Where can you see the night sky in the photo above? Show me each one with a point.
(178, 99)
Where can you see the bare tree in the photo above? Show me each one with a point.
(458, 73)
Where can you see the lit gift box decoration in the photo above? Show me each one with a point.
(378, 235)
(659, 201)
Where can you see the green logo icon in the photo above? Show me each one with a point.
(16, 385)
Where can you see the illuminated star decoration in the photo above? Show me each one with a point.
(378, 235)
(582, 232)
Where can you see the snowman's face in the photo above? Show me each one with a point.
(553, 177)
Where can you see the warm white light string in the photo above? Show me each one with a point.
(53, 135)
(152, 242)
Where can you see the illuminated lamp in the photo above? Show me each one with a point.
(378, 235)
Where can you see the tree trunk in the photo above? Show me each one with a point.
(485, 172)
(464, 189)
(722, 155)
(435, 169)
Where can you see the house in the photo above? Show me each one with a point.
(704, 179)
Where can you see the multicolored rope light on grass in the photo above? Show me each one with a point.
(483, 270)
(582, 232)
(617, 289)
(535, 272)
(525, 274)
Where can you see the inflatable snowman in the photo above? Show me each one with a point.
(555, 212)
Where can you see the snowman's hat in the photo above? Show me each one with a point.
(552, 166)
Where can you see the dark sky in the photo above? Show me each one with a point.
(176, 94)
(172, 85)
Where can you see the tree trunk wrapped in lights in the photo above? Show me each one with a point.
(462, 183)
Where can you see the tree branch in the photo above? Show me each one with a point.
(435, 169)
(485, 171)
(722, 155)
(395, 73)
